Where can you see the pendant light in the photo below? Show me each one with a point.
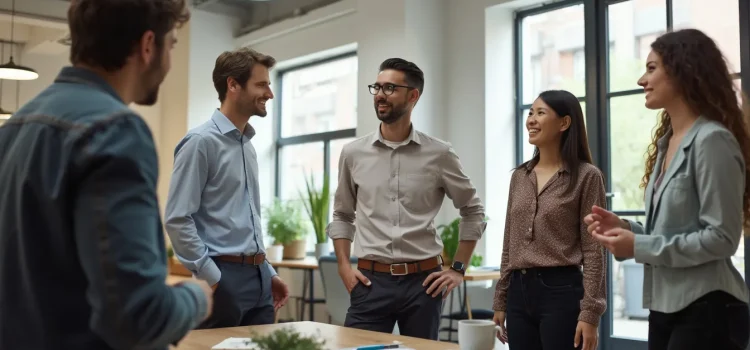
(4, 115)
(11, 70)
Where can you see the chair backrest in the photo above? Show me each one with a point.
(337, 297)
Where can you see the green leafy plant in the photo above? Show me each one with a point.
(476, 260)
(317, 204)
(287, 339)
(284, 221)
(449, 236)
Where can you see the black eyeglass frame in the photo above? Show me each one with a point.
(375, 88)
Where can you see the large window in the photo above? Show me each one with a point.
(551, 57)
(597, 49)
(317, 115)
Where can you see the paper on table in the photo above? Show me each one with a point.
(235, 344)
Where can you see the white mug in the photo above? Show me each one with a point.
(477, 334)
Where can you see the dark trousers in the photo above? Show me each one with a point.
(243, 297)
(543, 307)
(390, 299)
(715, 321)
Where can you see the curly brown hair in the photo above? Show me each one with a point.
(700, 74)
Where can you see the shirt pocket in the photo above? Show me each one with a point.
(679, 207)
(419, 192)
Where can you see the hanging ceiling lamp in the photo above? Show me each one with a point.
(4, 115)
(11, 70)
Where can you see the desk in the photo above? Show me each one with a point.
(309, 264)
(336, 337)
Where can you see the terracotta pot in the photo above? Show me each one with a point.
(296, 250)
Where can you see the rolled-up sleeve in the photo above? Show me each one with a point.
(344, 202)
(120, 243)
(185, 188)
(461, 191)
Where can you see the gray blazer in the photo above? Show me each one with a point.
(693, 220)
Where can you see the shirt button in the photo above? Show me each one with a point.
(529, 229)
(393, 199)
(393, 175)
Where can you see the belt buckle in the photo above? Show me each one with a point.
(255, 258)
(406, 269)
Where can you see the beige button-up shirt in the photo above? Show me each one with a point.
(388, 197)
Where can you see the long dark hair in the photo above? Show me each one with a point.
(574, 144)
(699, 72)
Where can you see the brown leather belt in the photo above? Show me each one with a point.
(256, 259)
(400, 269)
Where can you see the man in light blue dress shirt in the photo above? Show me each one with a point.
(213, 209)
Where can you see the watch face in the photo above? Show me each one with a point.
(458, 265)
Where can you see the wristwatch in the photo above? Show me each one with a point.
(458, 267)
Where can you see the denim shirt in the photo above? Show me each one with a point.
(82, 252)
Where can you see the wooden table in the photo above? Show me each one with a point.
(336, 337)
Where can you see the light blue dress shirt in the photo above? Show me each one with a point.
(213, 206)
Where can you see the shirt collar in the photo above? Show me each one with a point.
(413, 137)
(225, 125)
(77, 75)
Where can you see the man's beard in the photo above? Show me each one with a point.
(250, 109)
(152, 79)
(392, 116)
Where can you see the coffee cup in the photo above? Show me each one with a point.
(477, 334)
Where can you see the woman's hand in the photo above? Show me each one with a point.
(601, 220)
(499, 319)
(586, 332)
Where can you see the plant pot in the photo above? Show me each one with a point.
(275, 253)
(295, 250)
(322, 249)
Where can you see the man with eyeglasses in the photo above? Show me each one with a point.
(391, 186)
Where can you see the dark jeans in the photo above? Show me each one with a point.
(543, 307)
(717, 320)
(243, 297)
(390, 299)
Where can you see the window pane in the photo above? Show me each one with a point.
(719, 19)
(528, 149)
(631, 127)
(296, 164)
(552, 52)
(630, 319)
(319, 98)
(632, 26)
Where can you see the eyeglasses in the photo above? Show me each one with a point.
(387, 88)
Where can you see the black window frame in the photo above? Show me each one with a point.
(324, 137)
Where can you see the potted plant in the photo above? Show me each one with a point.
(449, 236)
(317, 206)
(285, 224)
(287, 339)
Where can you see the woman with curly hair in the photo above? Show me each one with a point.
(697, 200)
